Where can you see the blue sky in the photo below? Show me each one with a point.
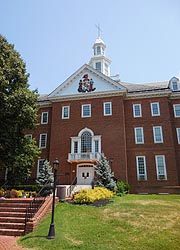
(55, 37)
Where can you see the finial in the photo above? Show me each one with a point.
(99, 30)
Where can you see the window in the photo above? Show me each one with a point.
(176, 110)
(44, 118)
(158, 136)
(141, 168)
(139, 135)
(65, 112)
(98, 66)
(75, 147)
(155, 111)
(86, 142)
(86, 110)
(137, 110)
(29, 136)
(96, 145)
(98, 50)
(161, 167)
(40, 166)
(42, 140)
(107, 108)
(174, 85)
(178, 135)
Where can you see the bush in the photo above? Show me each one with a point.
(90, 195)
(2, 192)
(14, 193)
(122, 188)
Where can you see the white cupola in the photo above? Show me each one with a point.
(99, 61)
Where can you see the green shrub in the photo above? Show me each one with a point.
(2, 192)
(90, 195)
(122, 188)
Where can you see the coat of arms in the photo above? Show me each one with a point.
(86, 84)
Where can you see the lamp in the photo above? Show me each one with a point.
(51, 234)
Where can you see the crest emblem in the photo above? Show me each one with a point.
(86, 84)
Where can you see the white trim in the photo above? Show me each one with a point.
(82, 110)
(158, 108)
(40, 140)
(142, 135)
(68, 110)
(110, 108)
(139, 177)
(42, 117)
(178, 135)
(134, 110)
(155, 136)
(164, 167)
(174, 107)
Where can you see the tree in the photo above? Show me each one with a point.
(18, 112)
(46, 177)
(105, 177)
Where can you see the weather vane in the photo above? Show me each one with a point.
(99, 30)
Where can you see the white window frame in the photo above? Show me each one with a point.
(136, 135)
(29, 136)
(141, 177)
(42, 118)
(82, 110)
(63, 112)
(134, 110)
(38, 166)
(175, 111)
(178, 135)
(155, 135)
(40, 140)
(173, 84)
(158, 109)
(107, 108)
(158, 171)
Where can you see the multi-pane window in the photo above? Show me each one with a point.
(174, 85)
(29, 136)
(65, 112)
(137, 112)
(44, 118)
(75, 147)
(86, 110)
(155, 110)
(176, 110)
(139, 135)
(86, 142)
(42, 140)
(141, 168)
(107, 108)
(161, 167)
(178, 135)
(158, 135)
(40, 166)
(96, 146)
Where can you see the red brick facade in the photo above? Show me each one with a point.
(117, 133)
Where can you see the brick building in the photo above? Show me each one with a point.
(137, 128)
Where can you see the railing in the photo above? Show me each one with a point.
(84, 156)
(72, 186)
(35, 204)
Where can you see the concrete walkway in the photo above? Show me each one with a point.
(9, 243)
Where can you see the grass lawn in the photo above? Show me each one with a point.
(132, 222)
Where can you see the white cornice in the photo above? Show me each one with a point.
(152, 94)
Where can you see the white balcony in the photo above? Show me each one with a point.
(84, 156)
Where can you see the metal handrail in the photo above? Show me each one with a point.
(35, 204)
(71, 187)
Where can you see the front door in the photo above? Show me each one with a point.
(85, 174)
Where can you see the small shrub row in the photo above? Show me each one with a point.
(33, 188)
(90, 195)
(13, 193)
(122, 188)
